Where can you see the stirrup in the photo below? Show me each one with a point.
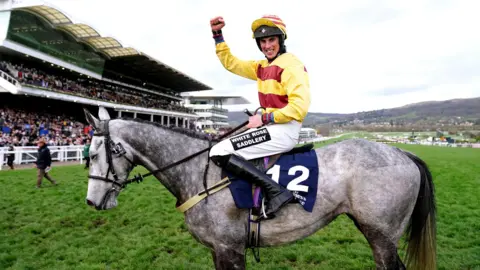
(263, 214)
(271, 215)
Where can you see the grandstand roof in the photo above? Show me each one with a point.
(211, 95)
(102, 53)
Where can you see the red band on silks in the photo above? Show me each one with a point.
(272, 100)
(270, 73)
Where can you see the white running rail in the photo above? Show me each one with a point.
(29, 154)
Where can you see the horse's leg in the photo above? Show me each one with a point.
(384, 250)
(228, 259)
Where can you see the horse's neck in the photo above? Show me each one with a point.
(162, 147)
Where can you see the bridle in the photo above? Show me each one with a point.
(112, 148)
(117, 149)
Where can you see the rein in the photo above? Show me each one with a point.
(139, 178)
(119, 150)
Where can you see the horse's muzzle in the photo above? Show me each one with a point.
(89, 202)
(97, 207)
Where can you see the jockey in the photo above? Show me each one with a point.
(283, 91)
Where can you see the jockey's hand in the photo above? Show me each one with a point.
(255, 121)
(217, 23)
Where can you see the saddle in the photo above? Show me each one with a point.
(283, 168)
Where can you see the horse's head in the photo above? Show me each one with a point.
(111, 160)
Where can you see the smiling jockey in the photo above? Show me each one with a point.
(283, 90)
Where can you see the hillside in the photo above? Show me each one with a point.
(235, 118)
(449, 111)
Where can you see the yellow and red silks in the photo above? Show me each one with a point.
(283, 85)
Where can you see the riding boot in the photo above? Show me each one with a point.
(276, 195)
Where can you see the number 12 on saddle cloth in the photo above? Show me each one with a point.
(297, 172)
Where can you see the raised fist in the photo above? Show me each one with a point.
(217, 23)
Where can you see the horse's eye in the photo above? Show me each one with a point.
(93, 157)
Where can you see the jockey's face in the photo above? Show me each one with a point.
(270, 46)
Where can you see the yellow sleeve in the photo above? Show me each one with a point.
(296, 83)
(246, 69)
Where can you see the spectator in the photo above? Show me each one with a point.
(10, 157)
(19, 127)
(2, 121)
(43, 163)
(86, 150)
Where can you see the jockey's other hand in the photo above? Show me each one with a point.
(255, 121)
(217, 23)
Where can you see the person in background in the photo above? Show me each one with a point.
(2, 121)
(86, 149)
(43, 163)
(10, 157)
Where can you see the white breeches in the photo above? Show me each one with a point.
(260, 142)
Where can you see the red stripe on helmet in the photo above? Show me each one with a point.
(275, 20)
(271, 17)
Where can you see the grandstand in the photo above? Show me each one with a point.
(307, 133)
(209, 108)
(52, 67)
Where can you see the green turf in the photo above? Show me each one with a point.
(52, 228)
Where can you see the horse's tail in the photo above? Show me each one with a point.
(421, 231)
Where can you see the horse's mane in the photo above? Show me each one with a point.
(185, 131)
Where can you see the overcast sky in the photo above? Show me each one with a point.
(360, 54)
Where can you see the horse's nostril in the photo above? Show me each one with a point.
(90, 202)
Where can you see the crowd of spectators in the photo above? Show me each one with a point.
(20, 127)
(89, 88)
(23, 128)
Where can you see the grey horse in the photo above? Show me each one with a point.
(386, 192)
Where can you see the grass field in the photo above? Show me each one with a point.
(52, 228)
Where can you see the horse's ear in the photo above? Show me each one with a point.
(103, 113)
(91, 119)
